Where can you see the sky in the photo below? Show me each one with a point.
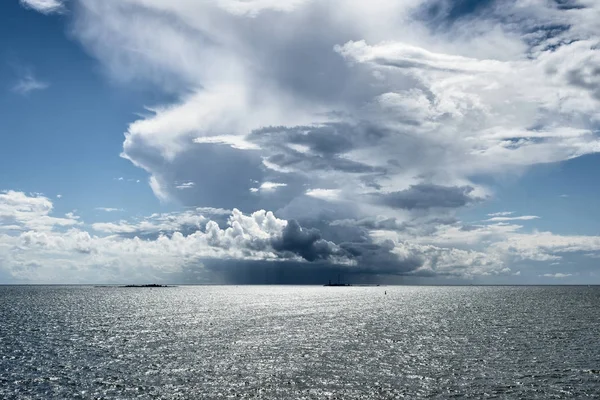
(292, 141)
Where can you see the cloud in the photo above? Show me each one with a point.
(425, 196)
(348, 106)
(185, 185)
(59, 196)
(236, 142)
(44, 6)
(28, 83)
(173, 242)
(158, 190)
(254, 7)
(381, 121)
(546, 246)
(405, 56)
(259, 236)
(20, 212)
(268, 187)
(519, 218)
(271, 185)
(558, 275)
(156, 223)
(305, 242)
(36, 247)
(212, 211)
(325, 194)
(500, 214)
(109, 209)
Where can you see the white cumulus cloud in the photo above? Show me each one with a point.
(44, 6)
(21, 212)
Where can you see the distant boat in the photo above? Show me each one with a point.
(338, 283)
(152, 285)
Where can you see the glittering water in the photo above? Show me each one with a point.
(280, 342)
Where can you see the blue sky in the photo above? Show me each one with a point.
(65, 138)
(422, 142)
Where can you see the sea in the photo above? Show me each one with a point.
(299, 342)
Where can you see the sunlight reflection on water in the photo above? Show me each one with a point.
(279, 342)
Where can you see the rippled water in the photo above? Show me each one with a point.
(280, 342)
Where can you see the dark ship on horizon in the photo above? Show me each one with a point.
(337, 284)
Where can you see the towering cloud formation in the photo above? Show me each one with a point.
(353, 97)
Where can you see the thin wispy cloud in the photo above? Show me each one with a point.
(123, 179)
(520, 218)
(500, 214)
(109, 209)
(28, 83)
(267, 187)
(558, 275)
(44, 6)
(185, 185)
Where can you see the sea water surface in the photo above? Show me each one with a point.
(299, 342)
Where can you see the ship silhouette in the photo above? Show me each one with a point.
(338, 283)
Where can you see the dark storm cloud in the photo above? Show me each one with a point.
(324, 139)
(275, 272)
(306, 148)
(290, 272)
(307, 162)
(374, 263)
(354, 256)
(368, 258)
(305, 242)
(378, 258)
(425, 196)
